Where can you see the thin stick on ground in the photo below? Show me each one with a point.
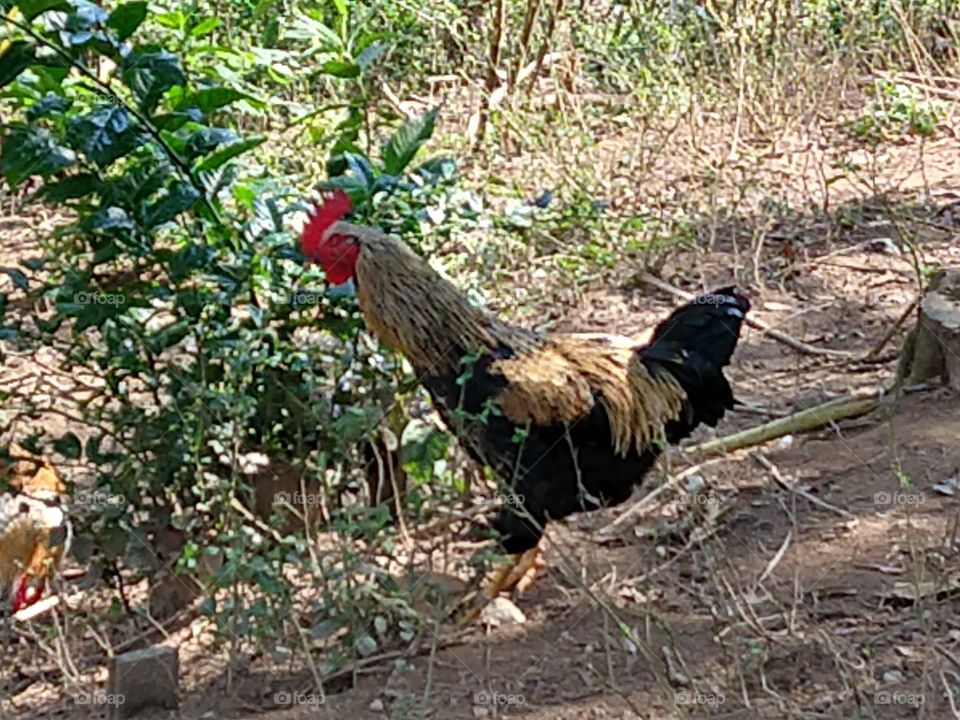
(779, 480)
(882, 342)
(775, 560)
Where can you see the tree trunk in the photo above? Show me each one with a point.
(932, 349)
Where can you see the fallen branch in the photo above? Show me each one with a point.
(810, 419)
(875, 350)
(778, 478)
(752, 322)
(775, 560)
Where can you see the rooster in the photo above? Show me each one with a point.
(33, 527)
(569, 422)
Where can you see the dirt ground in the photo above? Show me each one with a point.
(738, 598)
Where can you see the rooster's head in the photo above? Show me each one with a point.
(25, 592)
(336, 252)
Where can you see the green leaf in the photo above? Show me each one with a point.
(365, 645)
(150, 74)
(138, 184)
(49, 104)
(361, 167)
(340, 69)
(69, 446)
(225, 154)
(328, 628)
(30, 151)
(264, 7)
(175, 20)
(127, 18)
(203, 141)
(192, 257)
(70, 188)
(105, 249)
(104, 134)
(109, 220)
(421, 446)
(180, 199)
(33, 8)
(20, 280)
(168, 336)
(14, 60)
(205, 27)
(355, 423)
(401, 148)
(81, 25)
(214, 98)
(438, 168)
(355, 186)
(370, 54)
(95, 454)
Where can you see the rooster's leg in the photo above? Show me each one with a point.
(519, 575)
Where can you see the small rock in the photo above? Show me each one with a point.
(143, 679)
(501, 612)
(948, 486)
(785, 443)
(377, 705)
(892, 676)
(884, 245)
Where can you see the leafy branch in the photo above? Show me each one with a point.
(114, 97)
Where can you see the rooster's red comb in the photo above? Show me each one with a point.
(334, 207)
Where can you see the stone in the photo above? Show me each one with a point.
(144, 679)
(501, 612)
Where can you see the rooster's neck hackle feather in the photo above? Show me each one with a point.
(413, 309)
